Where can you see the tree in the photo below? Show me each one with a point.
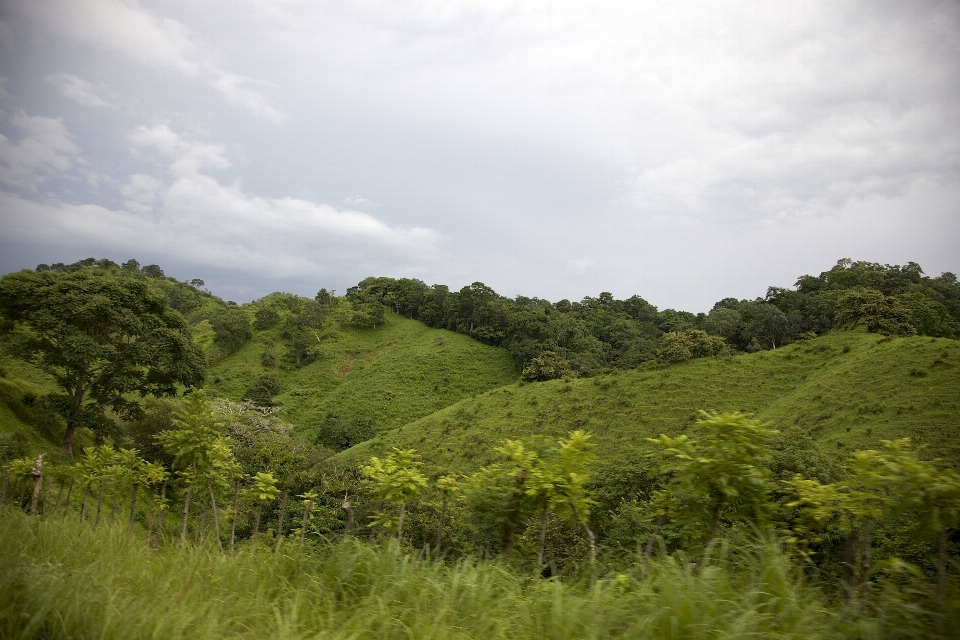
(499, 492)
(395, 480)
(547, 366)
(559, 483)
(200, 451)
(770, 325)
(104, 337)
(881, 314)
(722, 321)
(231, 328)
(691, 343)
(447, 486)
(264, 491)
(722, 475)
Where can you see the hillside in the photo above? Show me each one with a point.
(376, 378)
(845, 390)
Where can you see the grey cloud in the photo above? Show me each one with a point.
(45, 148)
(681, 151)
(79, 90)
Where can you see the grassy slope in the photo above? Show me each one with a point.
(394, 374)
(19, 427)
(846, 398)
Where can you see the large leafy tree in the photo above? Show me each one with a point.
(104, 337)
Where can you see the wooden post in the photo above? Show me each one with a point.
(348, 525)
(306, 517)
(37, 473)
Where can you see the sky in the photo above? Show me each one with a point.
(682, 151)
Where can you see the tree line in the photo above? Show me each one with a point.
(554, 340)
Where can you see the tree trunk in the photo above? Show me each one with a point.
(850, 563)
(113, 508)
(202, 528)
(236, 507)
(651, 541)
(443, 513)
(186, 513)
(66, 503)
(56, 505)
(283, 512)
(867, 548)
(348, 524)
(162, 515)
(153, 514)
(99, 504)
(216, 518)
(133, 510)
(403, 506)
(590, 536)
(256, 521)
(83, 505)
(68, 438)
(543, 536)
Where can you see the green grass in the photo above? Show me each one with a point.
(847, 390)
(62, 580)
(391, 375)
(22, 430)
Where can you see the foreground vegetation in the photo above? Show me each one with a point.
(63, 580)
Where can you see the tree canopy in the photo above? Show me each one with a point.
(104, 337)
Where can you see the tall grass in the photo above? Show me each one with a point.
(60, 579)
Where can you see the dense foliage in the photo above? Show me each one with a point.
(103, 337)
(558, 339)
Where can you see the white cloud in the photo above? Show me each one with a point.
(194, 217)
(129, 29)
(45, 148)
(79, 90)
(237, 92)
(141, 192)
(357, 201)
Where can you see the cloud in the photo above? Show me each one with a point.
(357, 201)
(45, 149)
(141, 192)
(192, 216)
(139, 35)
(237, 92)
(121, 27)
(79, 90)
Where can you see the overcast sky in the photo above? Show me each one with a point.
(681, 151)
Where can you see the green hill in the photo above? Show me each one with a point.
(845, 390)
(379, 378)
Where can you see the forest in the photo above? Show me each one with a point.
(404, 460)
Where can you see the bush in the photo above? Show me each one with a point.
(691, 343)
(262, 391)
(547, 366)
